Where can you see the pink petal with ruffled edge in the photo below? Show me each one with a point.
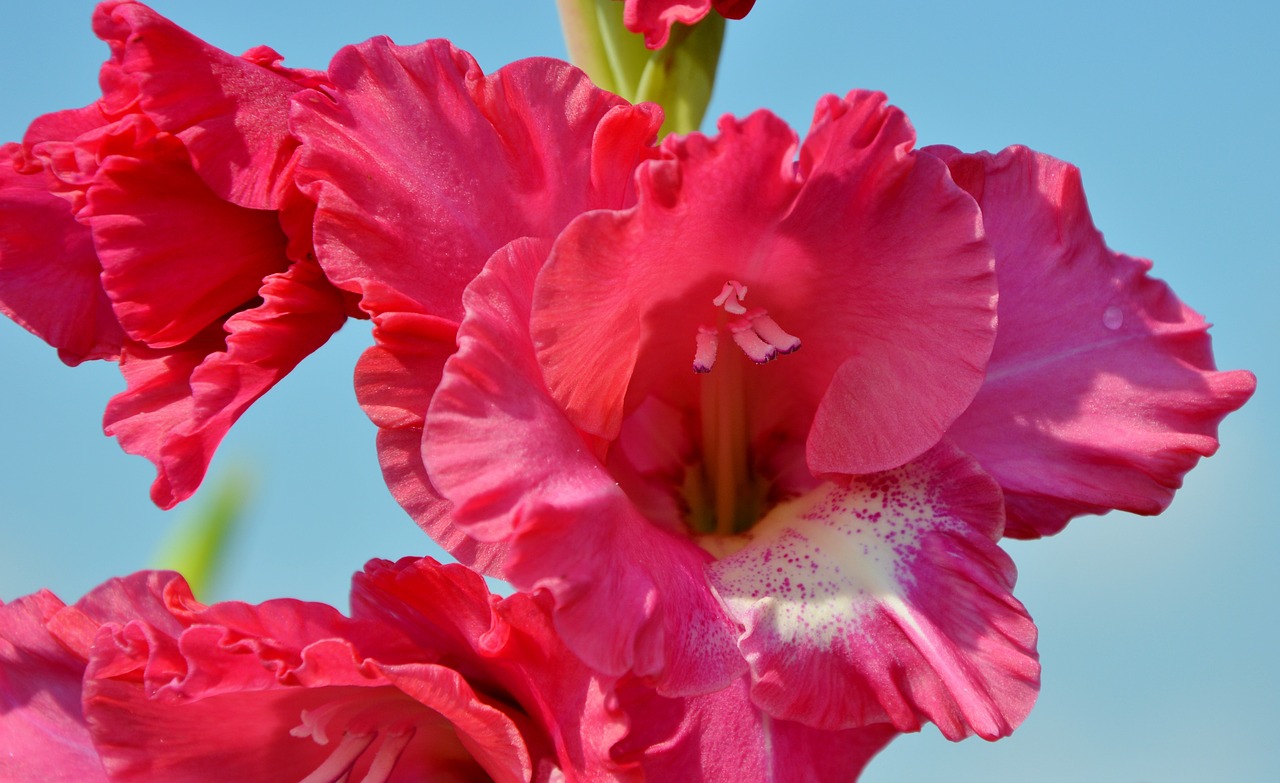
(49, 271)
(230, 112)
(493, 432)
(394, 380)
(885, 598)
(653, 18)
(501, 646)
(43, 734)
(422, 166)
(180, 402)
(866, 252)
(1101, 391)
(319, 706)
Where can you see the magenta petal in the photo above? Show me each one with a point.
(865, 252)
(175, 257)
(231, 112)
(493, 431)
(654, 18)
(180, 402)
(49, 271)
(43, 734)
(886, 599)
(1102, 391)
(422, 166)
(722, 736)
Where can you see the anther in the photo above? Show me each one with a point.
(704, 355)
(757, 350)
(738, 291)
(772, 334)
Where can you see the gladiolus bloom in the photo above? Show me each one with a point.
(431, 677)
(161, 229)
(736, 417)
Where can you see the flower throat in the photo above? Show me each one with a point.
(725, 495)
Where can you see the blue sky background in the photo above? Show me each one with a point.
(1157, 634)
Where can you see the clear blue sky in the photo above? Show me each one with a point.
(1157, 635)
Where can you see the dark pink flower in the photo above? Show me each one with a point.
(422, 166)
(162, 230)
(752, 418)
(614, 417)
(430, 678)
(653, 18)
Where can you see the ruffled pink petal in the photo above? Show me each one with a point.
(175, 256)
(43, 734)
(180, 402)
(422, 166)
(1102, 391)
(507, 646)
(886, 599)
(723, 736)
(230, 112)
(653, 18)
(493, 432)
(866, 252)
(49, 271)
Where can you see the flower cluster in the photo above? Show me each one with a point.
(743, 418)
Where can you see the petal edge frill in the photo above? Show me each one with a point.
(886, 599)
(1102, 390)
(181, 401)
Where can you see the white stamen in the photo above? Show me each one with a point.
(734, 305)
(341, 760)
(757, 350)
(384, 761)
(704, 355)
(771, 333)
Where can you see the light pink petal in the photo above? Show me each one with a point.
(722, 736)
(180, 402)
(49, 271)
(886, 599)
(43, 734)
(493, 431)
(422, 166)
(175, 256)
(865, 252)
(1102, 391)
(230, 112)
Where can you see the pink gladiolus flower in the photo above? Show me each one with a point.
(740, 418)
(653, 18)
(431, 677)
(160, 228)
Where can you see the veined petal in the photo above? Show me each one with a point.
(230, 112)
(175, 256)
(422, 166)
(180, 402)
(578, 537)
(1102, 391)
(884, 598)
(723, 736)
(42, 726)
(49, 271)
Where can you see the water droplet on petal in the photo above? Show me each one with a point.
(1113, 317)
